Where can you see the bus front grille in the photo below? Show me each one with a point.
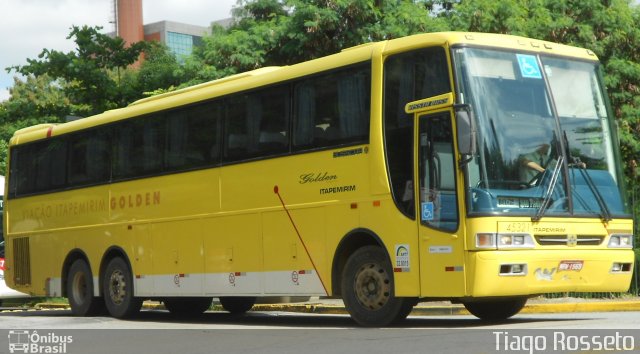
(22, 261)
(569, 240)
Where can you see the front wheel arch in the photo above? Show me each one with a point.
(349, 244)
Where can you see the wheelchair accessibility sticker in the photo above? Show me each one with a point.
(529, 66)
(426, 211)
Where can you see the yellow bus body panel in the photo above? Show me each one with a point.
(272, 227)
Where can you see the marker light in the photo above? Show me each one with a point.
(486, 240)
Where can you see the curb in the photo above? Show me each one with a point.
(424, 310)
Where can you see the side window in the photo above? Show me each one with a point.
(139, 147)
(274, 121)
(437, 164)
(38, 167)
(332, 109)
(257, 124)
(193, 139)
(237, 129)
(408, 77)
(89, 157)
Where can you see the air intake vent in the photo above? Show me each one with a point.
(569, 240)
(21, 261)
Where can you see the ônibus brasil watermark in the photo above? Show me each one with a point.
(32, 342)
(562, 341)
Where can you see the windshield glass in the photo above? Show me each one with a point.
(530, 111)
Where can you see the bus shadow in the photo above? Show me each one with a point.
(299, 320)
(289, 319)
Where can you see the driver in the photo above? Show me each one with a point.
(534, 163)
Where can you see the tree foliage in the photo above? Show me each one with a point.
(92, 74)
(272, 32)
(33, 101)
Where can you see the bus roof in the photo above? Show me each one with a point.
(270, 75)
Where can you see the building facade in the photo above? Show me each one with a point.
(180, 38)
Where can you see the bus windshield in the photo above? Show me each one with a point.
(544, 137)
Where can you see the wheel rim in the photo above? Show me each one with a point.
(79, 288)
(372, 286)
(117, 287)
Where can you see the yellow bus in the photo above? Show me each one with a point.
(477, 168)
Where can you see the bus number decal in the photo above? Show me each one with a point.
(518, 227)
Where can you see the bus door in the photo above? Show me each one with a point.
(442, 265)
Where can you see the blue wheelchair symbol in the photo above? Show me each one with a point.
(529, 66)
(426, 211)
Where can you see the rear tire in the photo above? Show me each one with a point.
(496, 310)
(117, 287)
(187, 306)
(368, 289)
(80, 291)
(237, 304)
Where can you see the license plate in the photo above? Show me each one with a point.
(569, 266)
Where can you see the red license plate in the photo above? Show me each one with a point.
(569, 266)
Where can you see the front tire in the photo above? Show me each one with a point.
(237, 304)
(117, 287)
(496, 310)
(80, 291)
(368, 289)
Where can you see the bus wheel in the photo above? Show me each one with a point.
(80, 290)
(496, 310)
(117, 287)
(368, 289)
(237, 304)
(187, 306)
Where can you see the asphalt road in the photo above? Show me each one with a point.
(158, 332)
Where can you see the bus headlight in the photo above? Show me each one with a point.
(503, 241)
(515, 241)
(621, 241)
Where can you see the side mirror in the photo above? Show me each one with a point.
(466, 127)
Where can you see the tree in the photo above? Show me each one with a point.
(272, 32)
(93, 73)
(33, 101)
(160, 70)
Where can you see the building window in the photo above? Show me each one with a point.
(181, 45)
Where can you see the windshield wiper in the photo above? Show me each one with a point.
(576, 163)
(606, 213)
(549, 191)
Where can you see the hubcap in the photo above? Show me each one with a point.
(117, 287)
(79, 288)
(372, 286)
